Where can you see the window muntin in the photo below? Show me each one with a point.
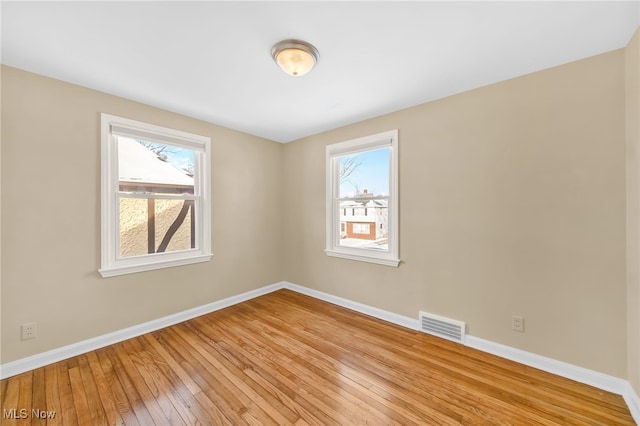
(155, 198)
(362, 212)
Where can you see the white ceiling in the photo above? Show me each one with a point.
(211, 60)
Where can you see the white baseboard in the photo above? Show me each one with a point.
(602, 381)
(560, 368)
(39, 360)
(633, 401)
(400, 320)
(583, 375)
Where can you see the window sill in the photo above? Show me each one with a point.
(132, 269)
(364, 258)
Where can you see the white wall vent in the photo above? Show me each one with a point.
(442, 327)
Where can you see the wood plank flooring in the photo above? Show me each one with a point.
(285, 358)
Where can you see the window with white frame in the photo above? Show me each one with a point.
(363, 173)
(155, 197)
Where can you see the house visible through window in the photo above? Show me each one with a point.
(362, 179)
(155, 197)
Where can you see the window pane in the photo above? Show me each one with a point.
(150, 167)
(365, 174)
(364, 224)
(155, 226)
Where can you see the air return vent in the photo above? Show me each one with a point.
(442, 327)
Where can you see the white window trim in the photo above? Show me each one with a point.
(387, 139)
(112, 263)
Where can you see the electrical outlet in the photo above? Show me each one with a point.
(517, 323)
(28, 331)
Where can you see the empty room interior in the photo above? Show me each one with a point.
(320, 213)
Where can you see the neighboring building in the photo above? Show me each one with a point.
(364, 218)
(148, 224)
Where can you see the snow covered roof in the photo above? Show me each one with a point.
(363, 203)
(139, 164)
(377, 203)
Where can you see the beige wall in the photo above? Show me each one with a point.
(51, 218)
(1, 358)
(632, 74)
(512, 201)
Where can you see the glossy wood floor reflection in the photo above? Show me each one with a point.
(285, 358)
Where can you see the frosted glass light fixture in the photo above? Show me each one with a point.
(295, 57)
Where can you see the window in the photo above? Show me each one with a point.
(361, 228)
(363, 173)
(155, 197)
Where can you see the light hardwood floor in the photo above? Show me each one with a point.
(285, 358)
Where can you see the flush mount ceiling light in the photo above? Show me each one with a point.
(295, 57)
